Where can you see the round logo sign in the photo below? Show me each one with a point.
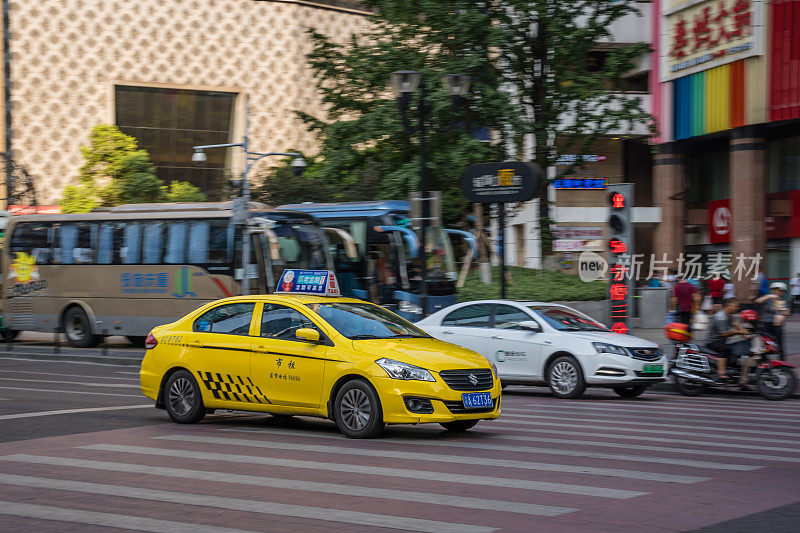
(721, 220)
(592, 266)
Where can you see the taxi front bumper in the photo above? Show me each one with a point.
(446, 403)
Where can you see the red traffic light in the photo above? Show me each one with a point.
(617, 246)
(617, 200)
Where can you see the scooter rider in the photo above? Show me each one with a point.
(721, 331)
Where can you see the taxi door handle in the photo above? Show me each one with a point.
(195, 344)
(260, 349)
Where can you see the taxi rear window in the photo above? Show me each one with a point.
(233, 319)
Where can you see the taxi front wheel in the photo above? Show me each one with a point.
(357, 410)
(182, 398)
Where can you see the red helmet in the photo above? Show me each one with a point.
(749, 315)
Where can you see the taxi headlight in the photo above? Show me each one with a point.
(400, 370)
(494, 369)
(602, 347)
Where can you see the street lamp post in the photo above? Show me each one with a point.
(404, 83)
(241, 206)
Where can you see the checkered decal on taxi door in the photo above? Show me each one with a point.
(233, 388)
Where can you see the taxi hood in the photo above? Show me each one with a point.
(431, 354)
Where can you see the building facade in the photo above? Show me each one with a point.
(172, 73)
(727, 173)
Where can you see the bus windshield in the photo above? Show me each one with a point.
(303, 246)
(441, 265)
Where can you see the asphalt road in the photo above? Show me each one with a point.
(82, 449)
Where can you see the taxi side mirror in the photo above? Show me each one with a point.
(307, 334)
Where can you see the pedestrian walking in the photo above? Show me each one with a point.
(716, 288)
(794, 289)
(684, 298)
(773, 311)
(729, 289)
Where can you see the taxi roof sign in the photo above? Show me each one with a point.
(313, 282)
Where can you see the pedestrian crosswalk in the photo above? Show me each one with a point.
(660, 463)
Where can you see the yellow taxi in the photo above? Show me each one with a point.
(298, 353)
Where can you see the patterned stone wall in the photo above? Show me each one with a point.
(67, 55)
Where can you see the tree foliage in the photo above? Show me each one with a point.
(116, 171)
(538, 84)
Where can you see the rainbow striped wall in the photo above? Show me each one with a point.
(709, 101)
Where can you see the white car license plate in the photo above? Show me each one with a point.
(476, 400)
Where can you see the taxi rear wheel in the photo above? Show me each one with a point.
(182, 398)
(459, 425)
(357, 410)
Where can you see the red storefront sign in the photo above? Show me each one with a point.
(713, 25)
(720, 221)
(784, 55)
(779, 223)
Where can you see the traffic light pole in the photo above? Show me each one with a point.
(621, 284)
(501, 246)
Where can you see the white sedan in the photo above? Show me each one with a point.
(534, 343)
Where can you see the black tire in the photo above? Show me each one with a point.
(565, 378)
(776, 383)
(459, 425)
(78, 328)
(9, 334)
(689, 388)
(630, 391)
(137, 341)
(357, 410)
(183, 399)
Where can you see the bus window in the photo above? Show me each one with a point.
(76, 243)
(131, 243)
(176, 243)
(32, 238)
(152, 243)
(210, 242)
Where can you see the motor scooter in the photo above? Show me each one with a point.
(695, 368)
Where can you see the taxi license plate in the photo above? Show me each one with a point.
(655, 369)
(476, 400)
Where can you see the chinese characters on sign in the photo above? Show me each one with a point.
(580, 183)
(688, 266)
(135, 282)
(709, 33)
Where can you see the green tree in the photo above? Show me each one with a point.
(116, 171)
(366, 153)
(568, 93)
(280, 185)
(182, 191)
(538, 80)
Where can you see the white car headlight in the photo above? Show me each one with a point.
(409, 307)
(602, 347)
(400, 370)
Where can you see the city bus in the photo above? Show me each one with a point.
(126, 269)
(387, 269)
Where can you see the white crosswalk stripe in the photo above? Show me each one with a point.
(134, 523)
(614, 433)
(250, 506)
(376, 470)
(440, 458)
(649, 459)
(723, 429)
(293, 484)
(639, 429)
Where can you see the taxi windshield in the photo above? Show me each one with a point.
(359, 321)
(565, 320)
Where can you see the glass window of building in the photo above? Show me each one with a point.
(168, 122)
(708, 176)
(784, 164)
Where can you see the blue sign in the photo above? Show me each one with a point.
(135, 282)
(580, 183)
(315, 282)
